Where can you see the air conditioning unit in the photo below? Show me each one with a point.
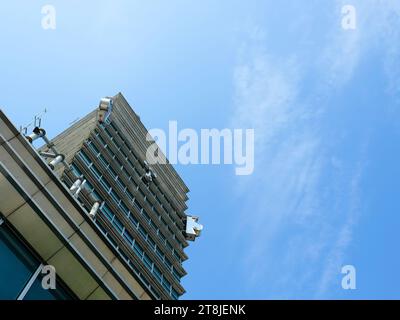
(193, 228)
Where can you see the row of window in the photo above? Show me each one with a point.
(137, 172)
(137, 249)
(128, 237)
(125, 189)
(123, 153)
(130, 240)
(131, 217)
(130, 263)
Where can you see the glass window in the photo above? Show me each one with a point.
(168, 264)
(124, 208)
(142, 232)
(138, 206)
(147, 261)
(126, 173)
(153, 225)
(134, 267)
(108, 213)
(128, 237)
(118, 224)
(162, 237)
(114, 127)
(142, 193)
(96, 196)
(88, 186)
(174, 294)
(121, 184)
(105, 184)
(109, 134)
(147, 283)
(160, 254)
(131, 164)
(166, 284)
(157, 213)
(112, 241)
(85, 158)
(112, 171)
(103, 161)
(170, 247)
(134, 185)
(157, 273)
(119, 163)
(123, 153)
(115, 196)
(138, 249)
(96, 172)
(101, 140)
(16, 267)
(75, 170)
(110, 152)
(176, 255)
(129, 194)
(146, 216)
(176, 275)
(93, 148)
(151, 242)
(133, 220)
(101, 227)
(123, 254)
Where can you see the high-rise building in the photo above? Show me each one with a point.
(90, 204)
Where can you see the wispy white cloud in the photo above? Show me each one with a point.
(305, 200)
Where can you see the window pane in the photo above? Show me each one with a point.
(138, 206)
(93, 148)
(142, 231)
(113, 173)
(138, 249)
(115, 196)
(85, 158)
(108, 213)
(133, 220)
(16, 267)
(128, 237)
(120, 184)
(118, 224)
(166, 284)
(157, 273)
(105, 184)
(174, 294)
(151, 242)
(75, 170)
(104, 161)
(95, 172)
(129, 194)
(124, 208)
(101, 140)
(147, 261)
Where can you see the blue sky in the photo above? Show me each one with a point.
(324, 103)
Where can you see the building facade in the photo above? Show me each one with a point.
(131, 220)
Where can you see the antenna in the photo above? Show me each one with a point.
(37, 122)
